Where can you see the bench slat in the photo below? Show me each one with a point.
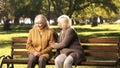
(101, 54)
(20, 53)
(51, 62)
(19, 46)
(98, 63)
(93, 54)
(19, 61)
(85, 47)
(20, 40)
(99, 40)
(109, 48)
(15, 61)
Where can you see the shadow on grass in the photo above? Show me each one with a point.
(94, 35)
(22, 28)
(5, 43)
(111, 33)
(91, 30)
(101, 35)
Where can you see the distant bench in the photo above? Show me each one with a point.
(98, 51)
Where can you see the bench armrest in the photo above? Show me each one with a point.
(1, 59)
(8, 57)
(118, 60)
(2, 56)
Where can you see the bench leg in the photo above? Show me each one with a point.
(10, 66)
(117, 66)
(2, 58)
(1, 65)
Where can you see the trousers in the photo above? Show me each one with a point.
(41, 60)
(63, 61)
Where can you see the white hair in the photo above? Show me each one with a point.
(65, 16)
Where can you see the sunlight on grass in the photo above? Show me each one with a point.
(100, 26)
(102, 30)
(5, 46)
(5, 50)
(9, 36)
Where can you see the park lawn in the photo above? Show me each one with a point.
(84, 31)
(101, 31)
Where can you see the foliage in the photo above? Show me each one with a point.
(73, 8)
(25, 8)
(2, 6)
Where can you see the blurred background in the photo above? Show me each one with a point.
(90, 18)
(80, 11)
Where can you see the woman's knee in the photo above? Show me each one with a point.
(32, 57)
(42, 59)
(60, 58)
(56, 60)
(68, 60)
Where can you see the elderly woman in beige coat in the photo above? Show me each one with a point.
(69, 46)
(38, 42)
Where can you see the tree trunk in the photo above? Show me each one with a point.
(7, 25)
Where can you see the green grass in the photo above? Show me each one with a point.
(101, 31)
(84, 31)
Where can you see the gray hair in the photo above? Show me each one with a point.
(67, 17)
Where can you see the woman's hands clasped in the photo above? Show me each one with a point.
(37, 53)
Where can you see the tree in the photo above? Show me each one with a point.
(54, 8)
(81, 7)
(2, 6)
(25, 8)
(103, 8)
(4, 13)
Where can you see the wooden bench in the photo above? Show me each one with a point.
(98, 51)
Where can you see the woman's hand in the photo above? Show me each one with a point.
(37, 53)
(52, 44)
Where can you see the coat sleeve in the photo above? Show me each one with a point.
(69, 36)
(53, 38)
(29, 46)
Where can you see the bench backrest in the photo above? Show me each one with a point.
(19, 47)
(101, 48)
(94, 47)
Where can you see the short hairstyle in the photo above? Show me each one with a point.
(65, 17)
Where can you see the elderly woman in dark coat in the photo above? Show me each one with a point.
(69, 46)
